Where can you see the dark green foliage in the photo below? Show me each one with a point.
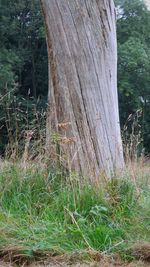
(134, 63)
(19, 116)
(23, 65)
(23, 42)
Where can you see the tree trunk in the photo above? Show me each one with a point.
(83, 100)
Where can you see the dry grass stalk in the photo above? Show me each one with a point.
(28, 135)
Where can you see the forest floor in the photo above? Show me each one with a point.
(103, 263)
(73, 260)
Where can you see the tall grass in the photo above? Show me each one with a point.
(42, 210)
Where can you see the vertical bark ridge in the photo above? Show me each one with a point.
(93, 135)
(83, 90)
(97, 76)
(81, 134)
(83, 101)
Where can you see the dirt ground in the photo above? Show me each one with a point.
(77, 259)
(102, 264)
(94, 264)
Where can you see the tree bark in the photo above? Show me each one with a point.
(83, 100)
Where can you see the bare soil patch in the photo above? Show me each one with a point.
(140, 252)
(63, 264)
(105, 262)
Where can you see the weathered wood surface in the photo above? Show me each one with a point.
(82, 51)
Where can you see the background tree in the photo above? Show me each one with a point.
(23, 46)
(134, 63)
(82, 54)
(23, 66)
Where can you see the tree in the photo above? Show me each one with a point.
(23, 55)
(134, 64)
(23, 65)
(83, 102)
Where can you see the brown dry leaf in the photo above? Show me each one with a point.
(67, 140)
(141, 251)
(64, 125)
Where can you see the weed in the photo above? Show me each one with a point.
(40, 211)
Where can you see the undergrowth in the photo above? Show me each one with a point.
(42, 210)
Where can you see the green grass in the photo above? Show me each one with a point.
(45, 211)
